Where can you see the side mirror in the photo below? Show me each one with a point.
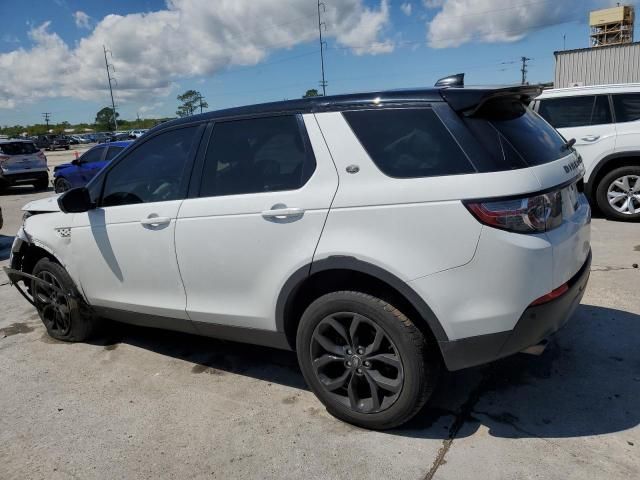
(76, 161)
(76, 200)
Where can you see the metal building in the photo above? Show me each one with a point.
(598, 66)
(611, 26)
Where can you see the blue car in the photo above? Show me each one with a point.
(81, 170)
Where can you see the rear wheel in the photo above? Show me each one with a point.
(618, 194)
(365, 360)
(61, 185)
(60, 307)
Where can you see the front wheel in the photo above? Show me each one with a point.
(365, 360)
(61, 185)
(61, 309)
(618, 194)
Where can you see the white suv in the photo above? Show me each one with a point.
(605, 123)
(379, 235)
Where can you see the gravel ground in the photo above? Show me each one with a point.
(140, 403)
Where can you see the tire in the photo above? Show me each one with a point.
(66, 318)
(61, 184)
(66, 148)
(614, 183)
(41, 184)
(344, 377)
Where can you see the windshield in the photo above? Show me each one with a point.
(18, 148)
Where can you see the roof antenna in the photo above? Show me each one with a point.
(456, 80)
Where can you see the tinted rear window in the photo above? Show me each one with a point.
(515, 135)
(18, 148)
(408, 143)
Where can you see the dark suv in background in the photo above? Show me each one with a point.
(52, 142)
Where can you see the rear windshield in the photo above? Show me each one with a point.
(514, 135)
(18, 148)
(408, 143)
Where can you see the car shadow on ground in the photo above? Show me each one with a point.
(586, 383)
(22, 189)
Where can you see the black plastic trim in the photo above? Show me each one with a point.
(535, 324)
(296, 280)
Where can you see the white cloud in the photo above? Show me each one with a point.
(189, 38)
(406, 9)
(82, 20)
(463, 21)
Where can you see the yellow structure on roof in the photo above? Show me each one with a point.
(611, 26)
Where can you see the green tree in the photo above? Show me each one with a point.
(311, 93)
(104, 118)
(191, 101)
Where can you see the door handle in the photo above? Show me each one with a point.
(283, 212)
(155, 220)
(590, 138)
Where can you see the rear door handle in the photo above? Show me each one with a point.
(155, 220)
(590, 138)
(283, 212)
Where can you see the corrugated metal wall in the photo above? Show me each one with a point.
(598, 66)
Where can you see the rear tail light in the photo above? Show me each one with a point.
(535, 214)
(552, 295)
(42, 156)
(4, 158)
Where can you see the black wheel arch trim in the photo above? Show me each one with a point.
(339, 262)
(590, 186)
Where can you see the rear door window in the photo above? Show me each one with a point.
(408, 143)
(18, 148)
(576, 111)
(256, 155)
(627, 107)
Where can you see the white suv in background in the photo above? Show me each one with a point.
(379, 235)
(605, 123)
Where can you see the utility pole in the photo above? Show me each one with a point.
(113, 104)
(524, 61)
(47, 116)
(323, 82)
(200, 102)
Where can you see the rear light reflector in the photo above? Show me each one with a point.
(535, 214)
(552, 295)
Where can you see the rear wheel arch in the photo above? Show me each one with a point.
(607, 164)
(339, 273)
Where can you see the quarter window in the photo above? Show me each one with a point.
(576, 111)
(408, 143)
(255, 155)
(627, 107)
(153, 172)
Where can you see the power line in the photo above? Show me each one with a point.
(113, 104)
(323, 82)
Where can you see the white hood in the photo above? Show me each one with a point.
(49, 204)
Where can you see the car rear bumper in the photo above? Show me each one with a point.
(23, 176)
(536, 324)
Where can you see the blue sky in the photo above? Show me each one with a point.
(234, 59)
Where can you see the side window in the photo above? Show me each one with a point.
(576, 111)
(255, 155)
(408, 143)
(92, 156)
(627, 107)
(153, 172)
(112, 152)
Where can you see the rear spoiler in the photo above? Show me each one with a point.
(469, 100)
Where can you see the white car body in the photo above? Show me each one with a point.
(604, 141)
(227, 265)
